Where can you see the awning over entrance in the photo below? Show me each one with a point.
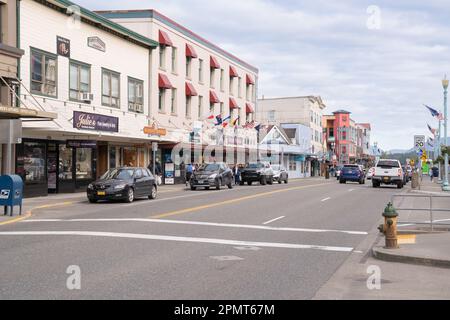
(7, 112)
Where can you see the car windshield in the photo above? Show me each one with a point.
(118, 174)
(210, 167)
(254, 165)
(276, 167)
(388, 164)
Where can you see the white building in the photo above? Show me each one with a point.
(306, 111)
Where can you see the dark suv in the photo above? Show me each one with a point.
(261, 172)
(212, 175)
(352, 172)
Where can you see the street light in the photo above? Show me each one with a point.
(445, 186)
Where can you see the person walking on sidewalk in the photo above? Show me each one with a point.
(189, 171)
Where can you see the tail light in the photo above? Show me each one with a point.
(399, 172)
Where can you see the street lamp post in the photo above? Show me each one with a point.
(439, 151)
(445, 186)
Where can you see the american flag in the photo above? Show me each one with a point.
(438, 115)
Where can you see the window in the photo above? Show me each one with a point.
(211, 78)
(222, 76)
(79, 80)
(221, 108)
(161, 97)
(248, 92)
(188, 107)
(135, 95)
(188, 67)
(110, 88)
(240, 87)
(231, 86)
(43, 73)
(271, 115)
(200, 107)
(174, 60)
(83, 163)
(200, 70)
(162, 56)
(331, 132)
(211, 108)
(173, 102)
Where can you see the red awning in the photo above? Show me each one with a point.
(233, 104)
(164, 39)
(164, 82)
(233, 72)
(190, 90)
(213, 97)
(214, 64)
(190, 51)
(250, 80)
(249, 108)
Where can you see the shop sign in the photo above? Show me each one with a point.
(153, 131)
(97, 122)
(169, 173)
(81, 144)
(63, 46)
(301, 158)
(96, 43)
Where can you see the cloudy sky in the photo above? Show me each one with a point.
(381, 60)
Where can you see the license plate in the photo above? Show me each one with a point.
(101, 193)
(200, 181)
(386, 179)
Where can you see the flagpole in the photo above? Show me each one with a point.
(439, 152)
(445, 186)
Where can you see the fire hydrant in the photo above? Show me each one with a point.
(390, 226)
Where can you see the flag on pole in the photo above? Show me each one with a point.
(234, 122)
(219, 120)
(211, 117)
(433, 131)
(225, 121)
(436, 114)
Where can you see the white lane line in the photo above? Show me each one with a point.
(198, 223)
(273, 220)
(350, 190)
(326, 199)
(177, 239)
(423, 222)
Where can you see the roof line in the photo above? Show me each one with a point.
(108, 24)
(168, 21)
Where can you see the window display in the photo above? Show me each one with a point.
(83, 163)
(34, 162)
(65, 163)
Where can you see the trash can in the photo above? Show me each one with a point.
(11, 192)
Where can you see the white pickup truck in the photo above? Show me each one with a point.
(388, 171)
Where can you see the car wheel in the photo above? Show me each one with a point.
(375, 184)
(193, 188)
(399, 185)
(153, 193)
(206, 188)
(270, 181)
(241, 183)
(218, 184)
(130, 196)
(93, 200)
(341, 181)
(279, 180)
(230, 185)
(249, 183)
(286, 181)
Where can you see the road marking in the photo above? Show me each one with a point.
(198, 223)
(248, 248)
(27, 215)
(273, 220)
(350, 190)
(227, 258)
(221, 203)
(176, 239)
(326, 199)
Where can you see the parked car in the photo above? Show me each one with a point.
(352, 172)
(125, 184)
(370, 173)
(258, 171)
(280, 174)
(212, 175)
(388, 171)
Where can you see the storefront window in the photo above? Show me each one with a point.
(34, 162)
(129, 157)
(65, 163)
(83, 163)
(112, 157)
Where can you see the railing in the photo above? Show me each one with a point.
(432, 198)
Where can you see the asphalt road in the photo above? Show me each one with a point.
(251, 242)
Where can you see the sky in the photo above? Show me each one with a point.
(380, 60)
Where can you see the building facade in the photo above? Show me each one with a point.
(118, 90)
(306, 111)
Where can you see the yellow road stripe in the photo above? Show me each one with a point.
(27, 215)
(221, 203)
(406, 239)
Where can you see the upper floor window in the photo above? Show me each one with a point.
(173, 102)
(231, 85)
(222, 78)
(135, 95)
(79, 80)
(200, 70)
(110, 88)
(211, 77)
(174, 59)
(161, 99)
(188, 67)
(200, 107)
(162, 56)
(43, 73)
(240, 87)
(271, 115)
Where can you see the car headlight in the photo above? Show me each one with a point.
(120, 187)
(90, 186)
(213, 176)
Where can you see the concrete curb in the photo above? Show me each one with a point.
(391, 256)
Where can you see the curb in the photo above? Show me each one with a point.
(382, 254)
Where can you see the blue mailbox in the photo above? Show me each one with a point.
(11, 192)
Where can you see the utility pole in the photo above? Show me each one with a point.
(445, 186)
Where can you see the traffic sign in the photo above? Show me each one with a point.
(419, 142)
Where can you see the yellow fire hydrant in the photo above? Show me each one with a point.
(390, 226)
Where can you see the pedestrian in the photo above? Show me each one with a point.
(430, 173)
(189, 172)
(237, 175)
(435, 172)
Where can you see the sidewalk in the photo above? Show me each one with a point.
(57, 199)
(423, 248)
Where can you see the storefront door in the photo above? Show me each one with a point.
(32, 167)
